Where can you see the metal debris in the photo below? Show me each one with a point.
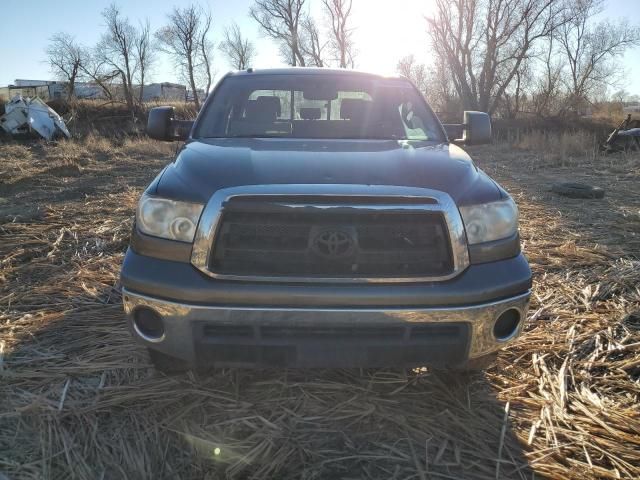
(632, 132)
(625, 137)
(26, 115)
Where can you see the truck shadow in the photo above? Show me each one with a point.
(75, 382)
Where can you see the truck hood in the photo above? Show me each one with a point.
(205, 166)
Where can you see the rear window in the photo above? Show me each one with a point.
(317, 106)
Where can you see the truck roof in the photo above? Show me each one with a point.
(313, 71)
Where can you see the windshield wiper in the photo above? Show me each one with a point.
(284, 135)
(368, 137)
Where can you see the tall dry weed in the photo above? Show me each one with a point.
(562, 149)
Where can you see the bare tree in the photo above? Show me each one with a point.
(206, 51)
(635, 98)
(434, 83)
(311, 45)
(547, 89)
(280, 20)
(239, 50)
(441, 90)
(117, 50)
(589, 50)
(516, 93)
(66, 58)
(144, 55)
(485, 42)
(342, 45)
(185, 38)
(96, 70)
(622, 96)
(416, 72)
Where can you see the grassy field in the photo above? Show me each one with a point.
(78, 399)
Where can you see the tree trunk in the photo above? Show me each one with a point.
(140, 95)
(192, 81)
(72, 82)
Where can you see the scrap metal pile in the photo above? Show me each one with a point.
(625, 137)
(31, 115)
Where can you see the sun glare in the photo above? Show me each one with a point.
(387, 30)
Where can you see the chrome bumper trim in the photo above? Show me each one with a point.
(212, 213)
(178, 318)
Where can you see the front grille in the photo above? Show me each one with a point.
(362, 345)
(425, 332)
(332, 333)
(331, 243)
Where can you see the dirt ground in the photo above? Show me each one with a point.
(78, 399)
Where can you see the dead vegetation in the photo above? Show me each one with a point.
(112, 119)
(560, 148)
(80, 400)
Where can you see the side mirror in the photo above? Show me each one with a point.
(161, 125)
(475, 130)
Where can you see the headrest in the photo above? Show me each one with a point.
(354, 109)
(310, 113)
(263, 108)
(272, 104)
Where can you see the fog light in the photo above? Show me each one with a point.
(148, 324)
(506, 324)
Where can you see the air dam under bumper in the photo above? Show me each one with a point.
(326, 337)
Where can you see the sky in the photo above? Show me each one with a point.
(386, 30)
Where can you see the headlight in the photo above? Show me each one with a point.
(490, 221)
(170, 219)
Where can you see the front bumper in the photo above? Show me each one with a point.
(181, 282)
(325, 337)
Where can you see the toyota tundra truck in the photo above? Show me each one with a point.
(323, 218)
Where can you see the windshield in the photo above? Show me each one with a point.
(317, 106)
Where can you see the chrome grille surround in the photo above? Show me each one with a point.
(435, 201)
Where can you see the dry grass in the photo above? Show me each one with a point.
(112, 119)
(563, 149)
(80, 400)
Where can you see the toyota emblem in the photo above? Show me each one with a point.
(333, 244)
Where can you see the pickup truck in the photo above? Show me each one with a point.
(323, 218)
